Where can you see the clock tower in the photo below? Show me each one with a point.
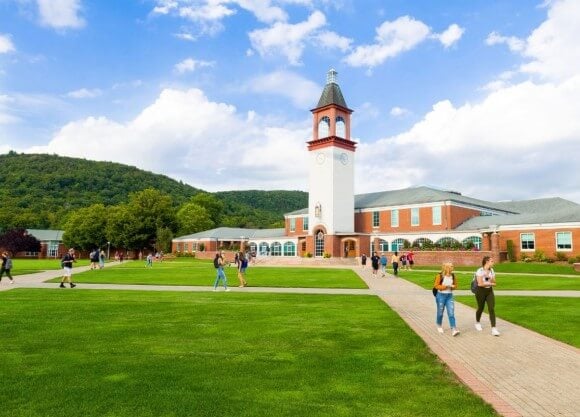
(331, 184)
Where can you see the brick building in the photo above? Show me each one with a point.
(338, 223)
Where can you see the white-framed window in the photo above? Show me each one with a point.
(52, 251)
(564, 241)
(527, 241)
(476, 240)
(324, 127)
(289, 249)
(436, 215)
(305, 223)
(293, 224)
(276, 249)
(395, 218)
(253, 248)
(376, 219)
(383, 245)
(264, 249)
(319, 244)
(415, 216)
(186, 247)
(340, 127)
(397, 245)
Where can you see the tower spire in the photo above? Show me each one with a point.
(331, 76)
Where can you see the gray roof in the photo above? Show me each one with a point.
(331, 95)
(46, 235)
(298, 212)
(565, 215)
(541, 204)
(420, 195)
(234, 233)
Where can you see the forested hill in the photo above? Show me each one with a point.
(39, 190)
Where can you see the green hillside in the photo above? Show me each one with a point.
(39, 190)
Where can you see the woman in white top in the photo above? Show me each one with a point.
(485, 283)
(445, 283)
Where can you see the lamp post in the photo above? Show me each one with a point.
(108, 251)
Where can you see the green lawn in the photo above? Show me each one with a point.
(127, 353)
(202, 273)
(504, 282)
(554, 317)
(30, 266)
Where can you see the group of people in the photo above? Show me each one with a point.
(97, 259)
(406, 260)
(446, 282)
(242, 260)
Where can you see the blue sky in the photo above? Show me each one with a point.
(480, 97)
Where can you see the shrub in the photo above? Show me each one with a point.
(202, 247)
(525, 257)
(511, 252)
(308, 255)
(185, 254)
(550, 260)
(560, 256)
(326, 255)
(539, 256)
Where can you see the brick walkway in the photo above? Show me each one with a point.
(520, 373)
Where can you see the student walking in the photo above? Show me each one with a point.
(375, 263)
(67, 264)
(383, 264)
(395, 263)
(149, 261)
(242, 265)
(363, 260)
(445, 283)
(485, 282)
(411, 259)
(6, 267)
(102, 259)
(218, 263)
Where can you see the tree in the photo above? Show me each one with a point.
(85, 227)
(164, 238)
(213, 206)
(193, 218)
(18, 240)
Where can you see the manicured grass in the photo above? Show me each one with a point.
(504, 282)
(554, 317)
(30, 266)
(517, 267)
(202, 273)
(115, 353)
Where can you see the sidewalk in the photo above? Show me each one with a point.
(520, 373)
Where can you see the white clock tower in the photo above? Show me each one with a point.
(331, 192)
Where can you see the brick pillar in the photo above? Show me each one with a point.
(495, 246)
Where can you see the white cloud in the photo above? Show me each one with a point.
(211, 11)
(399, 111)
(513, 43)
(287, 39)
(332, 40)
(392, 39)
(60, 14)
(302, 92)
(190, 65)
(185, 36)
(85, 93)
(451, 35)
(186, 136)
(6, 44)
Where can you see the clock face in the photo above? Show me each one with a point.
(320, 158)
(344, 158)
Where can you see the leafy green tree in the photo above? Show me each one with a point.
(193, 218)
(213, 206)
(164, 237)
(18, 240)
(85, 228)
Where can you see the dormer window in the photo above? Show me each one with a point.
(324, 127)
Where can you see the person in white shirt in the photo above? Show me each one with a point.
(485, 283)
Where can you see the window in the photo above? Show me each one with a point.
(340, 127)
(304, 223)
(527, 241)
(398, 244)
(52, 249)
(436, 215)
(293, 224)
(276, 249)
(253, 248)
(319, 244)
(264, 249)
(376, 221)
(415, 216)
(564, 241)
(472, 240)
(423, 242)
(289, 249)
(395, 218)
(186, 247)
(324, 127)
(383, 245)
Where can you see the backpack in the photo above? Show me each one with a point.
(440, 275)
(474, 283)
(216, 262)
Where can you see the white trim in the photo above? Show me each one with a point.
(537, 226)
(556, 241)
(437, 203)
(521, 242)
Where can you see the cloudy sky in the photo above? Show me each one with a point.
(482, 97)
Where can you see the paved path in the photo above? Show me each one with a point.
(521, 373)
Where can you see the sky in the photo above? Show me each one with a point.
(480, 97)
